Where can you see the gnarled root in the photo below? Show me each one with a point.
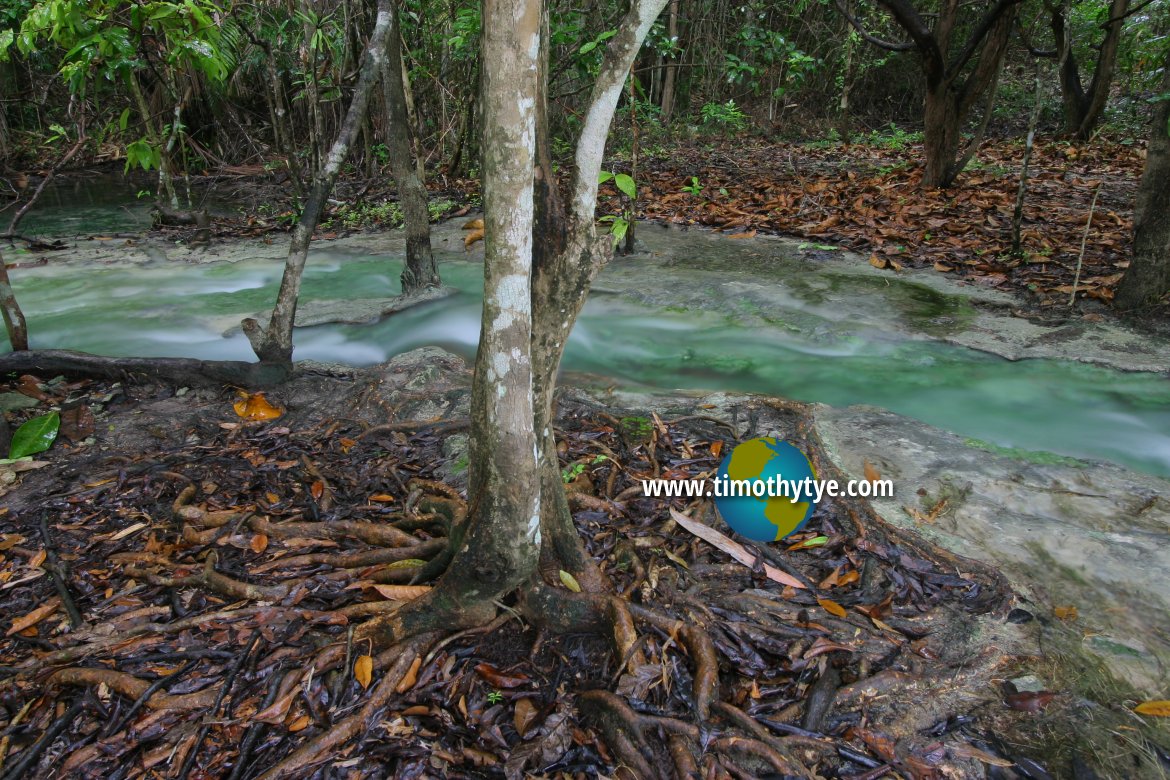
(346, 729)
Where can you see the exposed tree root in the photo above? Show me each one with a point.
(177, 371)
(339, 733)
(133, 688)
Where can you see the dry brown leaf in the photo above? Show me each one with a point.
(832, 607)
(473, 224)
(401, 592)
(259, 543)
(716, 448)
(363, 670)
(733, 548)
(317, 489)
(471, 238)
(871, 472)
(300, 724)
(747, 234)
(38, 559)
(410, 678)
(524, 715)
(1065, 613)
(34, 617)
(384, 498)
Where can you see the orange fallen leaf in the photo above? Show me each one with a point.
(471, 238)
(254, 406)
(38, 559)
(346, 444)
(473, 224)
(1158, 709)
(878, 262)
(259, 543)
(317, 489)
(410, 678)
(34, 617)
(363, 670)
(747, 234)
(1065, 613)
(524, 715)
(300, 724)
(382, 498)
(871, 472)
(716, 448)
(832, 607)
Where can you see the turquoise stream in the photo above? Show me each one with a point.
(1044, 405)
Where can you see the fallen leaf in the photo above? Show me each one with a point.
(878, 262)
(732, 548)
(524, 715)
(383, 498)
(871, 472)
(317, 489)
(254, 406)
(570, 581)
(1158, 709)
(498, 679)
(716, 448)
(401, 592)
(748, 234)
(411, 677)
(259, 543)
(473, 224)
(1065, 613)
(471, 238)
(1029, 701)
(34, 617)
(832, 607)
(38, 559)
(300, 724)
(363, 670)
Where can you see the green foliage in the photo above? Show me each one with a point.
(726, 116)
(894, 138)
(359, 215)
(620, 224)
(437, 209)
(694, 188)
(35, 435)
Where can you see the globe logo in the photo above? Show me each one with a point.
(764, 516)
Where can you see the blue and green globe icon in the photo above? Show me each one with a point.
(765, 518)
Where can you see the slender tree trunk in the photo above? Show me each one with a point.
(496, 548)
(274, 343)
(569, 251)
(1022, 191)
(420, 270)
(1148, 277)
(668, 81)
(14, 323)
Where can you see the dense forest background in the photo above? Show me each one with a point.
(194, 86)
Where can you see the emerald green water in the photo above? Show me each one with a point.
(778, 340)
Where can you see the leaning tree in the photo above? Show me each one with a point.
(274, 343)
(961, 47)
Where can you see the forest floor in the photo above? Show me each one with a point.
(863, 196)
(210, 557)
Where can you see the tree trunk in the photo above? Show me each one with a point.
(1083, 107)
(942, 129)
(420, 270)
(14, 323)
(668, 80)
(274, 343)
(497, 547)
(1148, 277)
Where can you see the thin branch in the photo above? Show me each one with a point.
(869, 37)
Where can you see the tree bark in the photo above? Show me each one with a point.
(274, 343)
(420, 270)
(1083, 108)
(569, 253)
(668, 81)
(495, 550)
(14, 323)
(1148, 277)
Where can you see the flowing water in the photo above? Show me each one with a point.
(786, 339)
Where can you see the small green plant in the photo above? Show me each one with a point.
(620, 223)
(495, 697)
(574, 471)
(438, 209)
(381, 153)
(386, 214)
(694, 188)
(725, 115)
(894, 138)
